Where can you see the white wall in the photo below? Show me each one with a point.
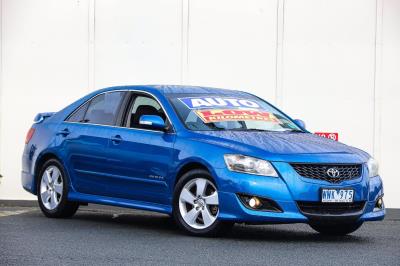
(232, 44)
(333, 63)
(328, 65)
(137, 42)
(44, 67)
(388, 99)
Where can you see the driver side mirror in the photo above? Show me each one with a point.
(300, 123)
(152, 121)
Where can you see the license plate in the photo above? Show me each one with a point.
(337, 195)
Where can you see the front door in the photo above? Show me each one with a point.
(139, 158)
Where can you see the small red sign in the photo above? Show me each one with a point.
(328, 135)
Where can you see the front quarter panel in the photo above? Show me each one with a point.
(189, 150)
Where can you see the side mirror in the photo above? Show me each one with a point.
(152, 121)
(300, 123)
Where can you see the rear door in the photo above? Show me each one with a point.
(85, 136)
(139, 158)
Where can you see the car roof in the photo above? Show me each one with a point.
(176, 89)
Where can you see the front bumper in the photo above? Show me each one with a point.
(287, 191)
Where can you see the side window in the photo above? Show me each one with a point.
(77, 115)
(143, 105)
(144, 100)
(103, 109)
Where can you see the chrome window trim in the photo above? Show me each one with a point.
(141, 129)
(126, 90)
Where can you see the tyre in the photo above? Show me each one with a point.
(196, 205)
(340, 229)
(52, 191)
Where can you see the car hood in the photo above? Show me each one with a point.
(284, 146)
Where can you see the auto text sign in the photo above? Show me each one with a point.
(218, 102)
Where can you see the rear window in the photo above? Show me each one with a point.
(103, 109)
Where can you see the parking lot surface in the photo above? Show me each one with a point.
(99, 235)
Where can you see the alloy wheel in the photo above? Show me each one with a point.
(51, 187)
(198, 203)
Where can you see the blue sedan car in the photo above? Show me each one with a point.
(208, 157)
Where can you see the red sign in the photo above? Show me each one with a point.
(219, 115)
(328, 135)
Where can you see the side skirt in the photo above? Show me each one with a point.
(133, 204)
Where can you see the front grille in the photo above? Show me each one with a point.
(319, 171)
(311, 207)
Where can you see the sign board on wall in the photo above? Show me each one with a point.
(329, 135)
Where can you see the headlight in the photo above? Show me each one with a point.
(249, 165)
(373, 167)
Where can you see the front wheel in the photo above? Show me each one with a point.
(340, 229)
(53, 191)
(196, 205)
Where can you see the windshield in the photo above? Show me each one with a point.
(213, 112)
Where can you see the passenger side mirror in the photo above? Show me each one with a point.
(152, 121)
(300, 123)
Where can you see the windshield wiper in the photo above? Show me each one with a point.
(260, 130)
(251, 129)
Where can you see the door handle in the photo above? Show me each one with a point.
(116, 139)
(65, 132)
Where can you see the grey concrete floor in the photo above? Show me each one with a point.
(113, 236)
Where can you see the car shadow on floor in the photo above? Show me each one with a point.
(160, 223)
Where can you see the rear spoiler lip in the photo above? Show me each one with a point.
(40, 117)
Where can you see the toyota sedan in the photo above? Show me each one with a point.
(207, 157)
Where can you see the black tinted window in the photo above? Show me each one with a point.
(104, 108)
(78, 115)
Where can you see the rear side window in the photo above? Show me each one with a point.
(79, 114)
(104, 109)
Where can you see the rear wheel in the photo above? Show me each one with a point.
(53, 191)
(196, 205)
(339, 229)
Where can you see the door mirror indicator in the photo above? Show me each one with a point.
(152, 121)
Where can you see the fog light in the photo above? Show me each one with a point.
(379, 205)
(259, 203)
(254, 202)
